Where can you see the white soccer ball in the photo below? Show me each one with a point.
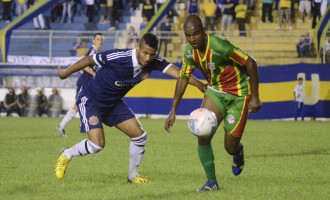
(202, 122)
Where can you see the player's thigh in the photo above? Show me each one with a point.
(236, 116)
(131, 128)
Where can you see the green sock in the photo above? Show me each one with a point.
(207, 159)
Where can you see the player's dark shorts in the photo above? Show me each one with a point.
(234, 111)
(92, 115)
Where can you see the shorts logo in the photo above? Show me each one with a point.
(93, 120)
(231, 119)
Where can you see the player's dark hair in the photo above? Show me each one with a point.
(96, 34)
(151, 40)
(300, 79)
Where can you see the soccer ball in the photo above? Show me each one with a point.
(202, 122)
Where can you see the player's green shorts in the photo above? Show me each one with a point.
(234, 111)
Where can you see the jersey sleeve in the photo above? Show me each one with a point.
(237, 55)
(159, 63)
(102, 59)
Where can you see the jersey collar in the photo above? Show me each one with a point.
(134, 59)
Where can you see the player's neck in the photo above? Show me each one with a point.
(202, 49)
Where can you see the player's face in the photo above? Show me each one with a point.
(98, 41)
(145, 54)
(195, 36)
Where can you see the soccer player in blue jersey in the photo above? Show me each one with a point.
(100, 100)
(86, 75)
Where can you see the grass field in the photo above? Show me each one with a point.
(284, 160)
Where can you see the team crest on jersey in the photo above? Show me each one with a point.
(211, 66)
(231, 119)
(93, 120)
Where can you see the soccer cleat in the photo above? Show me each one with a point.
(61, 165)
(238, 164)
(60, 130)
(209, 186)
(139, 180)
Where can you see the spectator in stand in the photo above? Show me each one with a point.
(103, 6)
(192, 7)
(38, 22)
(22, 100)
(6, 11)
(249, 4)
(327, 51)
(77, 46)
(209, 9)
(131, 38)
(165, 26)
(10, 102)
(267, 8)
(56, 12)
(54, 104)
(41, 103)
(316, 11)
(77, 7)
(148, 9)
(285, 9)
(66, 12)
(308, 44)
(301, 49)
(110, 9)
(21, 7)
(240, 10)
(305, 5)
(90, 10)
(81, 52)
(144, 23)
(134, 4)
(227, 17)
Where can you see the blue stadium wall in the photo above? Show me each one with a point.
(154, 95)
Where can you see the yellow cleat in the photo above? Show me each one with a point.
(61, 165)
(139, 180)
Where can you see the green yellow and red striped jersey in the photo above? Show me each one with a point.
(222, 66)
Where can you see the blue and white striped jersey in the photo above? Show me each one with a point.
(84, 77)
(119, 72)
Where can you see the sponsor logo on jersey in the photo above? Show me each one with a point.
(231, 119)
(122, 84)
(211, 66)
(93, 120)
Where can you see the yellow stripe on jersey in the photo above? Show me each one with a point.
(239, 88)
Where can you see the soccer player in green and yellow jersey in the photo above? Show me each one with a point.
(232, 92)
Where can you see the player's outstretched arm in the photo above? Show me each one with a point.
(181, 86)
(175, 72)
(81, 64)
(252, 69)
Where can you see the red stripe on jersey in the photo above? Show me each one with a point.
(199, 64)
(228, 80)
(238, 58)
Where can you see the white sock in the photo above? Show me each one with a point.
(68, 117)
(136, 152)
(82, 148)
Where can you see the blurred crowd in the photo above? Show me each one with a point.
(27, 105)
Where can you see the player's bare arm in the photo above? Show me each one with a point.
(252, 69)
(82, 63)
(175, 72)
(181, 86)
(89, 70)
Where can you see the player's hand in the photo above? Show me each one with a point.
(61, 73)
(254, 104)
(169, 122)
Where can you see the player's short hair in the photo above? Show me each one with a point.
(96, 34)
(195, 19)
(151, 40)
(300, 79)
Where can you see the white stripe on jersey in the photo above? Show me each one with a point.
(82, 110)
(166, 68)
(119, 55)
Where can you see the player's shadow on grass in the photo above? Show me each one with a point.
(303, 153)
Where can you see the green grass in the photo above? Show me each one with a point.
(284, 160)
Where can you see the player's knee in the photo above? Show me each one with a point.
(140, 140)
(230, 149)
(93, 148)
